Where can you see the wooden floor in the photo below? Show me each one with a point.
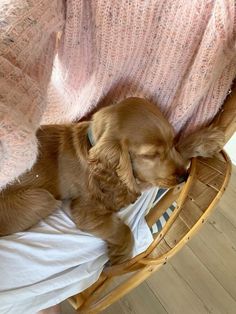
(200, 279)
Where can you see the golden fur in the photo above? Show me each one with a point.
(134, 149)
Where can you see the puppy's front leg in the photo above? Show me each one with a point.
(106, 225)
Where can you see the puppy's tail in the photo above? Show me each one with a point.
(24, 208)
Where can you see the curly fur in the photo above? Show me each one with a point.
(134, 149)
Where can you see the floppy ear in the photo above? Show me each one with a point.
(205, 142)
(110, 158)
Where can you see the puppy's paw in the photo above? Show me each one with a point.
(205, 143)
(122, 250)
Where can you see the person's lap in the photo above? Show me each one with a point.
(54, 260)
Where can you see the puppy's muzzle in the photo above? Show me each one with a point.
(182, 177)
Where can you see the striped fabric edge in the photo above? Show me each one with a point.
(160, 223)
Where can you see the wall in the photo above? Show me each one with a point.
(230, 148)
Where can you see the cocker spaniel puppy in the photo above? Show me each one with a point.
(102, 165)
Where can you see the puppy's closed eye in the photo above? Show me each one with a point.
(149, 151)
(150, 155)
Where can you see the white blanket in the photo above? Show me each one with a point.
(54, 260)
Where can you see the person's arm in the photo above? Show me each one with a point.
(27, 45)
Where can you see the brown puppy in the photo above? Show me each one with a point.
(132, 149)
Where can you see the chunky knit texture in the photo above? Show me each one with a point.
(179, 54)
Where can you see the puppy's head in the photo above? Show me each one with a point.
(135, 140)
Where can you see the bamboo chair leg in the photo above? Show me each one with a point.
(91, 299)
(119, 291)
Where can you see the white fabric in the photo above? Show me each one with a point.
(54, 260)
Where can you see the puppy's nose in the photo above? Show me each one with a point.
(182, 177)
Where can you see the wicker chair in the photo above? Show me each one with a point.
(194, 203)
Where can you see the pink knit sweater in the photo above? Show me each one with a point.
(179, 54)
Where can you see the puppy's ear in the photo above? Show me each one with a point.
(110, 156)
(205, 143)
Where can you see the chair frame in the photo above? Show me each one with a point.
(171, 238)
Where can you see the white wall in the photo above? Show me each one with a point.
(230, 148)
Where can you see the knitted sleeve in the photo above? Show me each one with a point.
(27, 44)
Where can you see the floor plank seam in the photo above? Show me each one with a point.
(209, 270)
(194, 292)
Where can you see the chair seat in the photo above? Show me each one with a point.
(210, 181)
